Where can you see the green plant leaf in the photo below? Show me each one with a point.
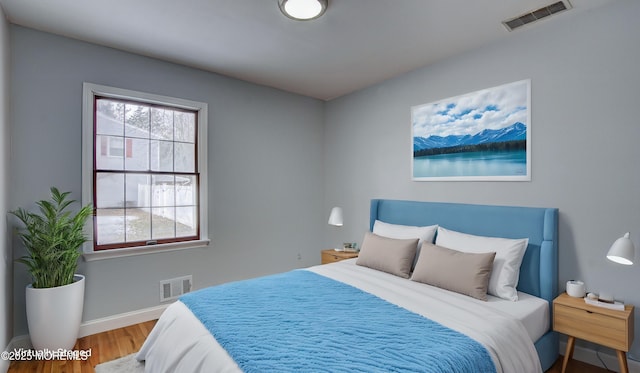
(52, 239)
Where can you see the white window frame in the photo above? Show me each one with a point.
(89, 91)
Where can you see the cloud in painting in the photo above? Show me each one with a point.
(468, 114)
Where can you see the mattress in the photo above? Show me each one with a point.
(180, 343)
(531, 311)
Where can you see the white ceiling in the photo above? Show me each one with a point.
(356, 43)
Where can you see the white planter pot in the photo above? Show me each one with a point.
(54, 315)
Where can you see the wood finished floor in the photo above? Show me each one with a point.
(106, 346)
(117, 343)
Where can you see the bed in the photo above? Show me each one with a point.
(337, 329)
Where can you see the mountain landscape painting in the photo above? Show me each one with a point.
(483, 135)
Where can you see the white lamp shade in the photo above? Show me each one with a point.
(303, 10)
(622, 251)
(335, 218)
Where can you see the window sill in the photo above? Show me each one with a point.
(134, 251)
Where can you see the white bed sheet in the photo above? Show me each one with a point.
(532, 311)
(180, 343)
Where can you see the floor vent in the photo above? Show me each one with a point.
(536, 15)
(173, 288)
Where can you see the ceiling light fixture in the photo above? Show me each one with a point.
(303, 10)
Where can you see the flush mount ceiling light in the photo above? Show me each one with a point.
(303, 10)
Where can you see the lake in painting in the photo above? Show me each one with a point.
(484, 163)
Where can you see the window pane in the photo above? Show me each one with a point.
(138, 224)
(138, 190)
(109, 117)
(105, 147)
(187, 221)
(110, 223)
(161, 124)
(162, 190)
(161, 156)
(163, 223)
(136, 121)
(145, 181)
(186, 190)
(109, 190)
(136, 154)
(185, 127)
(185, 157)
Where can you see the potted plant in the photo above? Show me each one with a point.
(55, 298)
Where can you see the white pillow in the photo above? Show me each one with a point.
(423, 234)
(506, 265)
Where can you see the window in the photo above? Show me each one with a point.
(144, 170)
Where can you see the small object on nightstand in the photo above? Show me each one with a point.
(332, 256)
(605, 297)
(350, 247)
(575, 288)
(613, 305)
(607, 327)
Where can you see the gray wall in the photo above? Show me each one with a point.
(265, 167)
(278, 162)
(585, 132)
(6, 323)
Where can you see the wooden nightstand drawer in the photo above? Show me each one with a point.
(332, 256)
(591, 326)
(611, 328)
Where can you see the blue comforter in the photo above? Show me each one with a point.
(300, 321)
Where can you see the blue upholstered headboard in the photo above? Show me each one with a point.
(539, 269)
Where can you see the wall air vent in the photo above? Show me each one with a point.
(173, 288)
(536, 15)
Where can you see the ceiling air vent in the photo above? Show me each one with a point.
(536, 15)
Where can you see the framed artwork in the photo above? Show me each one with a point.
(479, 136)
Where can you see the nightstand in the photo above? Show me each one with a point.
(606, 327)
(332, 256)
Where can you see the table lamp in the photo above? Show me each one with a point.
(622, 251)
(335, 219)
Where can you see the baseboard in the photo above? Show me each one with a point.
(4, 365)
(16, 343)
(94, 326)
(120, 320)
(589, 356)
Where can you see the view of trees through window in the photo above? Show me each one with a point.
(145, 174)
